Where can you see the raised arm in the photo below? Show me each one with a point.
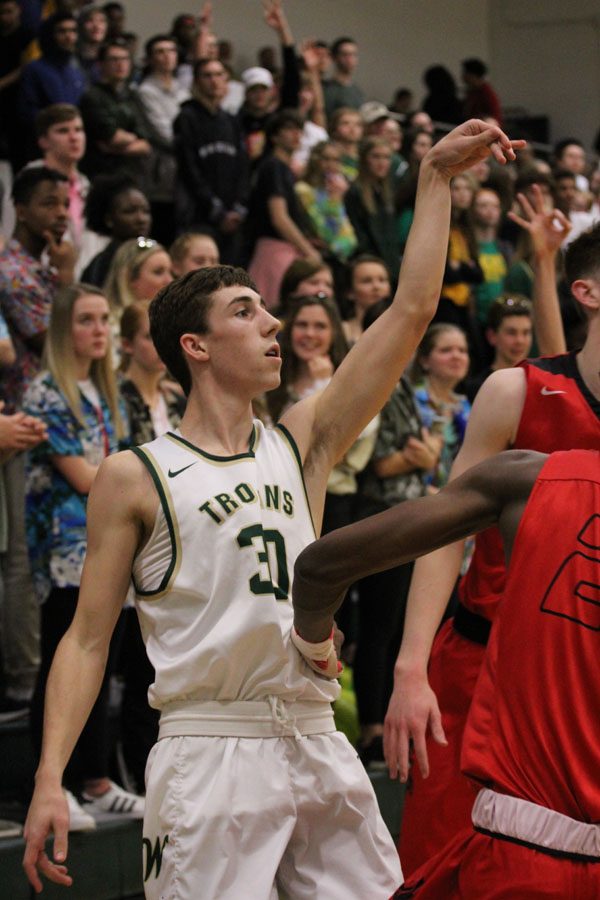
(413, 708)
(547, 229)
(325, 428)
(76, 675)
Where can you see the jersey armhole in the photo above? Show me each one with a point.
(165, 501)
(290, 442)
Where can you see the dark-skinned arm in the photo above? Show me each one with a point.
(474, 501)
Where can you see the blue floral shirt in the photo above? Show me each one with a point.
(447, 419)
(55, 513)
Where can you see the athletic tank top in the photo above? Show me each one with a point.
(213, 583)
(559, 413)
(532, 730)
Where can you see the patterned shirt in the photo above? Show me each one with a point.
(447, 419)
(27, 289)
(140, 416)
(399, 420)
(55, 513)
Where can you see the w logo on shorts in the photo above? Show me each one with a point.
(153, 854)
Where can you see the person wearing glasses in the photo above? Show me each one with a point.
(116, 126)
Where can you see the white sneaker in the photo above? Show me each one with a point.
(116, 800)
(79, 819)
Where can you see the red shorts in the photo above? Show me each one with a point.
(477, 867)
(437, 808)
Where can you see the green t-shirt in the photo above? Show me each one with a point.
(494, 269)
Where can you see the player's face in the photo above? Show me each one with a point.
(319, 283)
(47, 210)
(65, 140)
(141, 349)
(202, 251)
(370, 283)
(513, 339)
(449, 359)
(241, 342)
(154, 274)
(312, 333)
(90, 328)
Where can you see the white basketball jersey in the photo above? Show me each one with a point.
(213, 583)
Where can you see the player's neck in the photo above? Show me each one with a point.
(587, 359)
(222, 428)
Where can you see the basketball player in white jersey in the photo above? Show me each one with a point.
(250, 790)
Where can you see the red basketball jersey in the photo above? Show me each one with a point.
(532, 730)
(559, 413)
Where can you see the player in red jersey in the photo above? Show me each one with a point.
(546, 405)
(531, 740)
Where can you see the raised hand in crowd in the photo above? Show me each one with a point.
(276, 19)
(547, 228)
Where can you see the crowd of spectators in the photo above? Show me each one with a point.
(127, 169)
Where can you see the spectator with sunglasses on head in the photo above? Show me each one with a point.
(140, 268)
(510, 332)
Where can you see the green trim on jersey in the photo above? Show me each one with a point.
(165, 501)
(218, 460)
(291, 442)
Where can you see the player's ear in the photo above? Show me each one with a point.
(194, 346)
(587, 292)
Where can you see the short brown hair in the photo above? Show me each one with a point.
(508, 305)
(582, 256)
(54, 114)
(183, 307)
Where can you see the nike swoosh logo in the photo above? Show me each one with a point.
(545, 392)
(179, 471)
